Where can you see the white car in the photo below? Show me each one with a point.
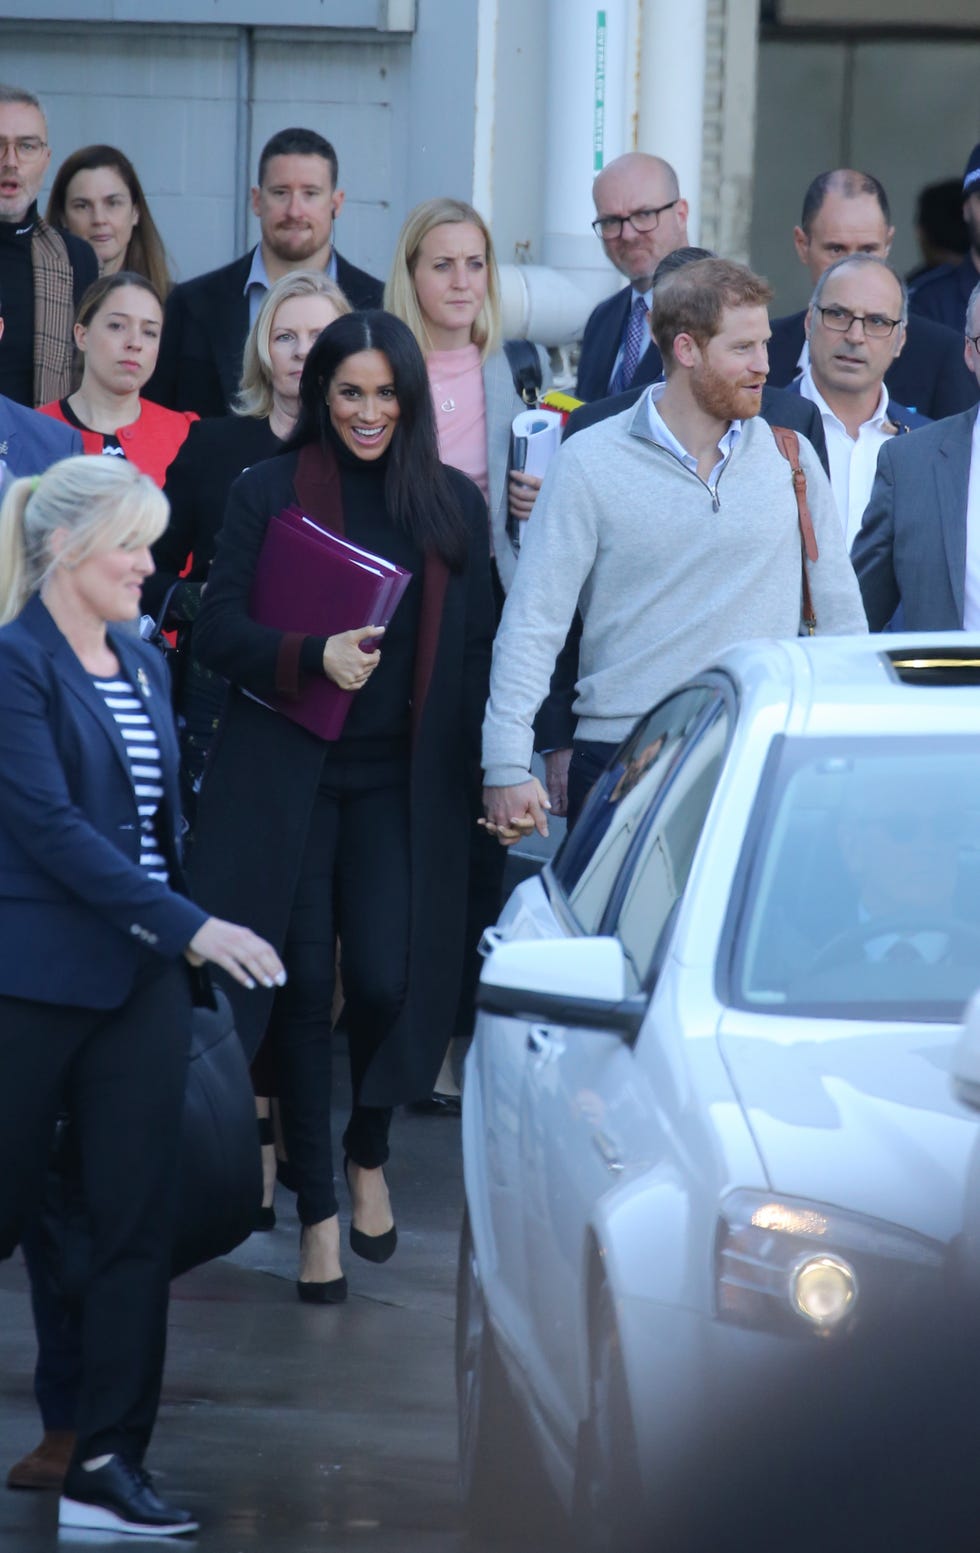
(708, 1106)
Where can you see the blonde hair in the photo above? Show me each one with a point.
(102, 503)
(400, 295)
(254, 395)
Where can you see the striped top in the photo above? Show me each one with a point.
(140, 739)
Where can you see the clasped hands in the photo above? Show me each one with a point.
(346, 662)
(514, 812)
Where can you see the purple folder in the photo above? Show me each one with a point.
(310, 580)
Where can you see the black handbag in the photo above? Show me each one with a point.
(220, 1168)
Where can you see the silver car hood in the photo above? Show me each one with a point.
(862, 1118)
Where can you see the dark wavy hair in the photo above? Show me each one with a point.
(145, 252)
(417, 490)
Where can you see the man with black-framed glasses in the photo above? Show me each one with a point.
(43, 272)
(640, 218)
(855, 326)
(919, 543)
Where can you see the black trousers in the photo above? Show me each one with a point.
(589, 759)
(353, 886)
(122, 1075)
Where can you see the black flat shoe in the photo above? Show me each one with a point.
(119, 1497)
(373, 1248)
(332, 1291)
(437, 1105)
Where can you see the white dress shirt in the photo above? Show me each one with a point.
(971, 588)
(852, 461)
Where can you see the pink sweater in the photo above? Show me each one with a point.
(456, 380)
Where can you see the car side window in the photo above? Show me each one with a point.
(658, 876)
(590, 861)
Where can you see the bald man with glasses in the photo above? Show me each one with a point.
(640, 218)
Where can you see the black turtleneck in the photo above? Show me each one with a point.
(378, 723)
(17, 305)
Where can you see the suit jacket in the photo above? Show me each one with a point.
(205, 327)
(600, 346)
(930, 374)
(554, 726)
(943, 293)
(911, 547)
(899, 414)
(30, 441)
(78, 913)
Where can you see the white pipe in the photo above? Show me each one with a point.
(671, 117)
(542, 304)
(589, 106)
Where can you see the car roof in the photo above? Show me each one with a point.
(910, 682)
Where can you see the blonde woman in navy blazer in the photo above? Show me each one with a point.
(95, 937)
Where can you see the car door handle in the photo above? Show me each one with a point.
(542, 1042)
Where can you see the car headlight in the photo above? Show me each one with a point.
(792, 1266)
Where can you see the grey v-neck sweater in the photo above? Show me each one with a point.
(667, 574)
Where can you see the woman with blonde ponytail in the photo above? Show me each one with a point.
(96, 934)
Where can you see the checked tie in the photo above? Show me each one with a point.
(632, 350)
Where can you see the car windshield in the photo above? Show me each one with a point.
(862, 895)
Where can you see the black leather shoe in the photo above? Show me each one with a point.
(373, 1248)
(331, 1291)
(437, 1105)
(119, 1497)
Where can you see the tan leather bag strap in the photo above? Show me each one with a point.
(788, 444)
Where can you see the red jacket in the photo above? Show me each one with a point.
(151, 443)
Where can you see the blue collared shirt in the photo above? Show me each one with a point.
(258, 282)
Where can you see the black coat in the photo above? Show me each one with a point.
(929, 376)
(600, 347)
(213, 455)
(205, 327)
(261, 781)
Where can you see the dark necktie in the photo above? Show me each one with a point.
(633, 347)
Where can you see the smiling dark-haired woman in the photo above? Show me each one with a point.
(359, 837)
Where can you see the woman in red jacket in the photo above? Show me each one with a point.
(117, 332)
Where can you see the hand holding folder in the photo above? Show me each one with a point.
(308, 579)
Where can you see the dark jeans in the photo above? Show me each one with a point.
(353, 885)
(58, 1324)
(589, 759)
(122, 1076)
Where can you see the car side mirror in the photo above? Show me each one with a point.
(965, 1067)
(562, 981)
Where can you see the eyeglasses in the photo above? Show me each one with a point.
(910, 827)
(26, 148)
(876, 325)
(640, 220)
(974, 340)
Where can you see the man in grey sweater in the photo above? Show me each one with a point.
(673, 528)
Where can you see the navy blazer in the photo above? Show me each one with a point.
(30, 442)
(77, 911)
(930, 374)
(899, 414)
(205, 328)
(600, 347)
(911, 547)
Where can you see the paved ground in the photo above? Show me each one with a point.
(289, 1428)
